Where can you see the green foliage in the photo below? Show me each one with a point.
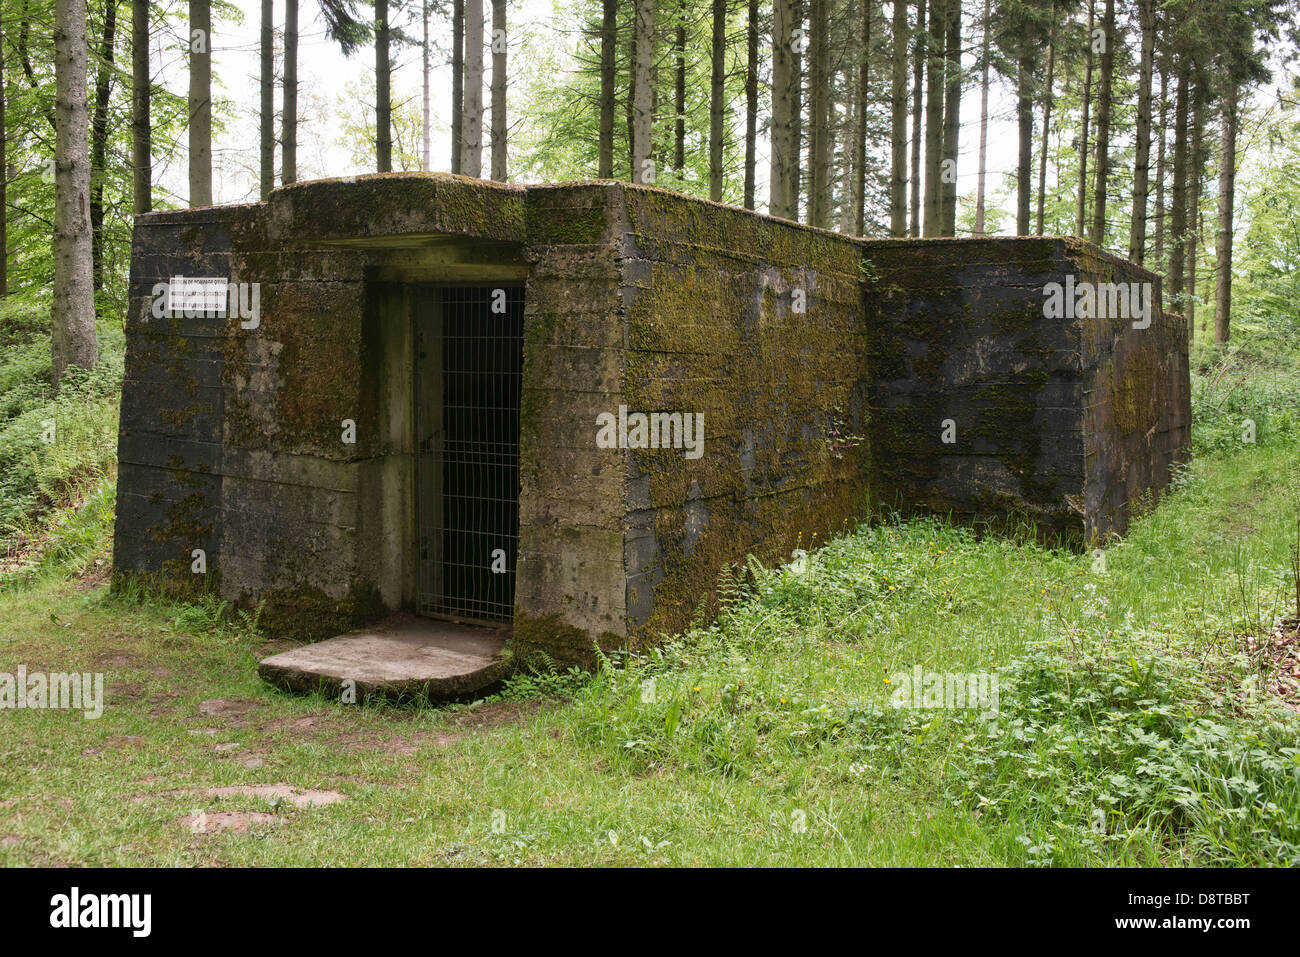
(1108, 737)
(53, 450)
(1244, 401)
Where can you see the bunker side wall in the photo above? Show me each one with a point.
(170, 451)
(757, 325)
(977, 399)
(1137, 414)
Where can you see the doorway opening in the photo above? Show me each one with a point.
(468, 378)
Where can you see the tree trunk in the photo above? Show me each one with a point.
(781, 168)
(499, 90)
(289, 109)
(898, 124)
(716, 93)
(266, 111)
(796, 173)
(141, 136)
(951, 120)
(1025, 160)
(679, 91)
(819, 116)
(1158, 250)
(860, 125)
(933, 223)
(425, 137)
(72, 312)
(751, 102)
(457, 83)
(99, 143)
(1178, 201)
(1082, 210)
(984, 124)
(1047, 119)
(1197, 178)
(1227, 197)
(4, 175)
(1103, 126)
(200, 102)
(608, 40)
(471, 159)
(918, 67)
(642, 99)
(1137, 236)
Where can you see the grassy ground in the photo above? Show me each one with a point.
(1143, 716)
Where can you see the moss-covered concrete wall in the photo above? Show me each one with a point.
(757, 325)
(826, 371)
(991, 397)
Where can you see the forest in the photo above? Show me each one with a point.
(1149, 687)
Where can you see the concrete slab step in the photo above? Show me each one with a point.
(404, 655)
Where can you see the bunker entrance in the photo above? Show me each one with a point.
(468, 376)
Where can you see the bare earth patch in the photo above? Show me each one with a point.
(1279, 657)
(238, 821)
(267, 792)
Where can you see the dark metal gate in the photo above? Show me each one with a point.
(468, 375)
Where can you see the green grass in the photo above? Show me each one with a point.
(1130, 727)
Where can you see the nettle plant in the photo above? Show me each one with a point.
(1107, 737)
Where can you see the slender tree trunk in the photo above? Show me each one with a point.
(383, 91)
(1137, 237)
(630, 103)
(984, 124)
(796, 177)
(716, 93)
(457, 84)
(1158, 250)
(289, 107)
(99, 143)
(1047, 119)
(643, 102)
(608, 41)
(679, 91)
(266, 111)
(1025, 161)
(751, 102)
(951, 119)
(1227, 198)
(1197, 185)
(4, 174)
(782, 135)
(860, 125)
(200, 102)
(918, 68)
(499, 90)
(426, 146)
(73, 308)
(1082, 211)
(898, 124)
(1104, 107)
(933, 223)
(471, 160)
(819, 116)
(141, 135)
(1178, 201)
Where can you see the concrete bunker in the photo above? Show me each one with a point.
(418, 419)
